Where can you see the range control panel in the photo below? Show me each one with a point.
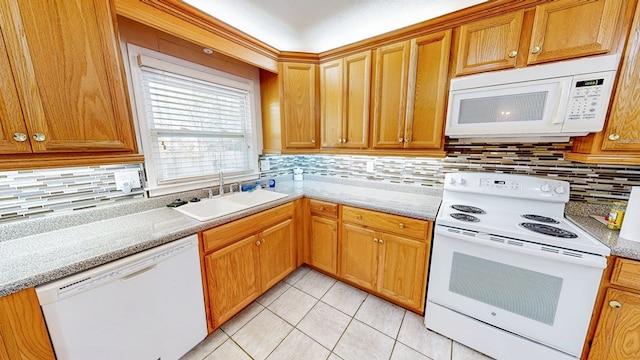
(509, 185)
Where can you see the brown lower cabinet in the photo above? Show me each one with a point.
(23, 334)
(243, 259)
(385, 254)
(617, 335)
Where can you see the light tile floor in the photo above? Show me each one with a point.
(312, 316)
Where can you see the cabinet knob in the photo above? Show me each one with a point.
(536, 50)
(613, 137)
(359, 217)
(262, 241)
(401, 226)
(321, 208)
(381, 241)
(258, 242)
(20, 137)
(615, 304)
(344, 141)
(39, 137)
(375, 240)
(401, 140)
(512, 54)
(313, 141)
(340, 140)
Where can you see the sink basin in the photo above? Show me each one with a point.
(255, 198)
(208, 209)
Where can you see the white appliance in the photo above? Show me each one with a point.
(148, 306)
(510, 276)
(563, 99)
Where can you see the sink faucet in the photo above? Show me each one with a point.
(220, 184)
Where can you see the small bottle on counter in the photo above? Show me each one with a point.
(616, 215)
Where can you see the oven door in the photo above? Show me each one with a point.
(523, 288)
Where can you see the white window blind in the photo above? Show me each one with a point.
(193, 124)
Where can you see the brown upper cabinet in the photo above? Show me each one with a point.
(345, 91)
(552, 31)
(299, 105)
(410, 93)
(619, 142)
(62, 79)
(289, 108)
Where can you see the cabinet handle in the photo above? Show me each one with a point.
(536, 50)
(401, 226)
(258, 242)
(313, 141)
(615, 304)
(321, 208)
(512, 54)
(407, 140)
(400, 140)
(262, 241)
(39, 137)
(340, 140)
(359, 217)
(375, 240)
(381, 241)
(613, 137)
(344, 141)
(20, 137)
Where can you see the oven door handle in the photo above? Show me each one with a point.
(484, 239)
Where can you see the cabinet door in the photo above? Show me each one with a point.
(74, 98)
(357, 99)
(390, 95)
(427, 94)
(331, 103)
(324, 244)
(622, 132)
(23, 333)
(299, 98)
(489, 44)
(358, 255)
(402, 274)
(618, 333)
(277, 253)
(11, 120)
(233, 278)
(570, 28)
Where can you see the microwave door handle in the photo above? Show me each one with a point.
(564, 88)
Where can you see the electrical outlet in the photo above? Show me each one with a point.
(127, 180)
(369, 166)
(265, 165)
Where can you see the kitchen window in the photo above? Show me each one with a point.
(193, 122)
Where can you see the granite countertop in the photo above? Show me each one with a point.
(41, 250)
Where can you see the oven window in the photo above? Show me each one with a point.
(524, 292)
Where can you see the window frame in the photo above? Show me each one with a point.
(138, 56)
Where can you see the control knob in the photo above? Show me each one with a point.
(545, 188)
(560, 190)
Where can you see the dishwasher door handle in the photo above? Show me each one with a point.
(138, 273)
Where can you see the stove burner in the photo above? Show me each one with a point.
(540, 218)
(549, 230)
(464, 217)
(468, 209)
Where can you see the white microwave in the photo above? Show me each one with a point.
(563, 99)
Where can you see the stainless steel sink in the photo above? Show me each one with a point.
(208, 209)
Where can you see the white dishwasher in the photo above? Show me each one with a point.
(147, 306)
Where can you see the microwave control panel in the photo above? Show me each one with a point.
(589, 97)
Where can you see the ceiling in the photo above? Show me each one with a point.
(319, 25)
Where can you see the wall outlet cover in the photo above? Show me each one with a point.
(127, 180)
(370, 166)
(265, 165)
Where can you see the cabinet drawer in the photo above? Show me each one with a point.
(223, 235)
(323, 208)
(626, 273)
(387, 222)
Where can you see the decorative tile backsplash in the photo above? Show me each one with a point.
(37, 193)
(592, 183)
